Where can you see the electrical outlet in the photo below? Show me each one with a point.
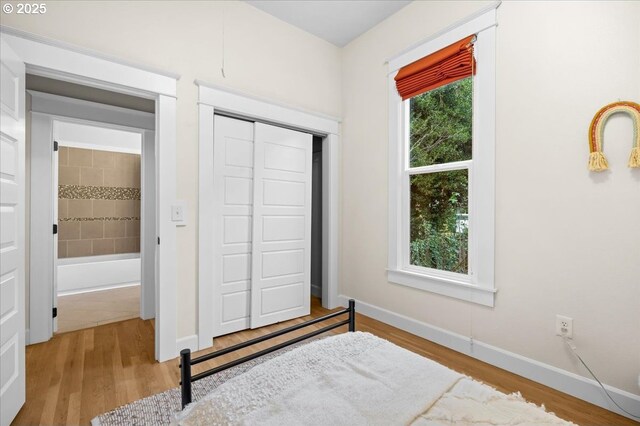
(564, 326)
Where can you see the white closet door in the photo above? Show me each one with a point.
(281, 267)
(12, 240)
(233, 188)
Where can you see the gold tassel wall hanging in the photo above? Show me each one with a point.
(634, 158)
(597, 160)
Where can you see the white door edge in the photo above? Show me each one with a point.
(12, 234)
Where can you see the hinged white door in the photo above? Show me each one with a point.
(12, 222)
(233, 189)
(281, 264)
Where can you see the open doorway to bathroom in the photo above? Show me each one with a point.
(92, 174)
(98, 215)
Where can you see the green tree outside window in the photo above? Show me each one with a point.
(440, 132)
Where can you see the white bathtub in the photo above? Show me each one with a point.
(92, 273)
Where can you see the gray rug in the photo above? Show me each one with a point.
(159, 409)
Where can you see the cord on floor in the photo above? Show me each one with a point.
(574, 349)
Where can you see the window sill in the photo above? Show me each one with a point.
(444, 286)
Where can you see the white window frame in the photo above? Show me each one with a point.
(478, 286)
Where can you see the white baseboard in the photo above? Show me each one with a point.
(548, 375)
(187, 342)
(100, 288)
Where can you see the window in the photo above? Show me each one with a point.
(440, 156)
(441, 171)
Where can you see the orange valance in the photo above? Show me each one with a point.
(445, 66)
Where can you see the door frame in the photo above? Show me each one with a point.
(50, 58)
(214, 99)
(46, 109)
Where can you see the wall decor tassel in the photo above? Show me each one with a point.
(634, 158)
(597, 160)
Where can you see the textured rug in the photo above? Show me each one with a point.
(159, 409)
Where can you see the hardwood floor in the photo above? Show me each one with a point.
(78, 375)
(85, 310)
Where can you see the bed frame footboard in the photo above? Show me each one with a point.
(186, 378)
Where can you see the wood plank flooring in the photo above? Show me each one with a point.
(78, 375)
(85, 310)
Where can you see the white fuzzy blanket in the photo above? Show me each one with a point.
(354, 379)
(474, 403)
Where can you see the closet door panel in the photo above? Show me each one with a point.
(282, 298)
(281, 261)
(232, 260)
(283, 228)
(237, 229)
(236, 306)
(281, 193)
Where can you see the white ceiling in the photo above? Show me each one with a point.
(336, 21)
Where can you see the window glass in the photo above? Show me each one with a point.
(439, 234)
(440, 125)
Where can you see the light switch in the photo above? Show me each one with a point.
(179, 213)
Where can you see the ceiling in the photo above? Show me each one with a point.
(86, 93)
(336, 21)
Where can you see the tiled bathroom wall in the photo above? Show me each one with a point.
(98, 202)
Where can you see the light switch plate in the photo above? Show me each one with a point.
(179, 213)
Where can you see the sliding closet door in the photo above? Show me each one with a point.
(233, 189)
(281, 266)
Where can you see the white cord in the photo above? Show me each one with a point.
(574, 349)
(223, 22)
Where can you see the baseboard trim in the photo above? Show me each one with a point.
(187, 342)
(98, 288)
(564, 381)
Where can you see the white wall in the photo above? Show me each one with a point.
(566, 239)
(264, 57)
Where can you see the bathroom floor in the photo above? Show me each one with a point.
(87, 310)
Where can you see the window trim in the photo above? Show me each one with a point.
(477, 287)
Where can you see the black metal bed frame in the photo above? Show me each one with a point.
(186, 379)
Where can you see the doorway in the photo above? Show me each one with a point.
(23, 53)
(98, 263)
(316, 220)
(215, 102)
(93, 175)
